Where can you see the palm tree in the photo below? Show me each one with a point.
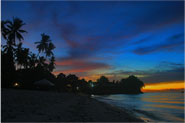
(19, 53)
(25, 57)
(51, 65)
(32, 60)
(8, 51)
(14, 30)
(41, 61)
(4, 29)
(43, 44)
(11, 30)
(49, 49)
(22, 56)
(46, 46)
(8, 47)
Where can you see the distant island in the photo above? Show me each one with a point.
(23, 69)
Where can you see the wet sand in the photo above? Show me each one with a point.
(41, 106)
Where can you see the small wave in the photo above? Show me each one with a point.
(164, 107)
(147, 115)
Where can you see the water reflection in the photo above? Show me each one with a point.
(155, 106)
(164, 106)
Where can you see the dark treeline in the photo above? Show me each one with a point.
(19, 63)
(130, 85)
(20, 67)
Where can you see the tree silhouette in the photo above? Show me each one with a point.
(46, 46)
(73, 81)
(51, 65)
(41, 62)
(7, 67)
(40, 66)
(61, 82)
(11, 30)
(32, 60)
(132, 84)
(49, 49)
(43, 44)
(22, 56)
(4, 29)
(91, 83)
(14, 30)
(25, 57)
(102, 80)
(8, 47)
(19, 53)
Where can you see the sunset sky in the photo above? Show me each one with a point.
(115, 39)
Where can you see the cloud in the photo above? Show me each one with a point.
(141, 40)
(176, 37)
(159, 15)
(166, 65)
(85, 32)
(86, 38)
(168, 72)
(164, 76)
(83, 45)
(78, 67)
(172, 44)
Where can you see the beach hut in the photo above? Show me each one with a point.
(44, 84)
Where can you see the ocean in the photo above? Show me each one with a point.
(155, 107)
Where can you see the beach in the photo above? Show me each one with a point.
(42, 106)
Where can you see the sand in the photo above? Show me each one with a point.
(41, 106)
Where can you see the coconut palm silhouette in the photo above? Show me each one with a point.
(43, 44)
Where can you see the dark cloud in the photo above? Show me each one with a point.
(172, 44)
(176, 37)
(82, 41)
(169, 65)
(165, 76)
(88, 31)
(142, 40)
(84, 45)
(163, 72)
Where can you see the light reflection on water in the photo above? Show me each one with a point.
(165, 106)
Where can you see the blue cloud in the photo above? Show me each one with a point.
(168, 72)
(172, 44)
(113, 34)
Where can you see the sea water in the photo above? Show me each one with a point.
(163, 106)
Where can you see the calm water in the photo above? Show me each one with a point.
(165, 106)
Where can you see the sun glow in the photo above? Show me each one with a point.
(163, 86)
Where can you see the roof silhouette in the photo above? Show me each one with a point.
(44, 82)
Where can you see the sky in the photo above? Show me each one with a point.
(115, 39)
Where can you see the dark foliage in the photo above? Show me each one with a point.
(130, 85)
(8, 73)
(21, 68)
(61, 82)
(27, 77)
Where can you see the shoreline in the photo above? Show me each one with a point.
(40, 106)
(151, 107)
(131, 113)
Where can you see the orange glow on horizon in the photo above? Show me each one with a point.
(163, 86)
